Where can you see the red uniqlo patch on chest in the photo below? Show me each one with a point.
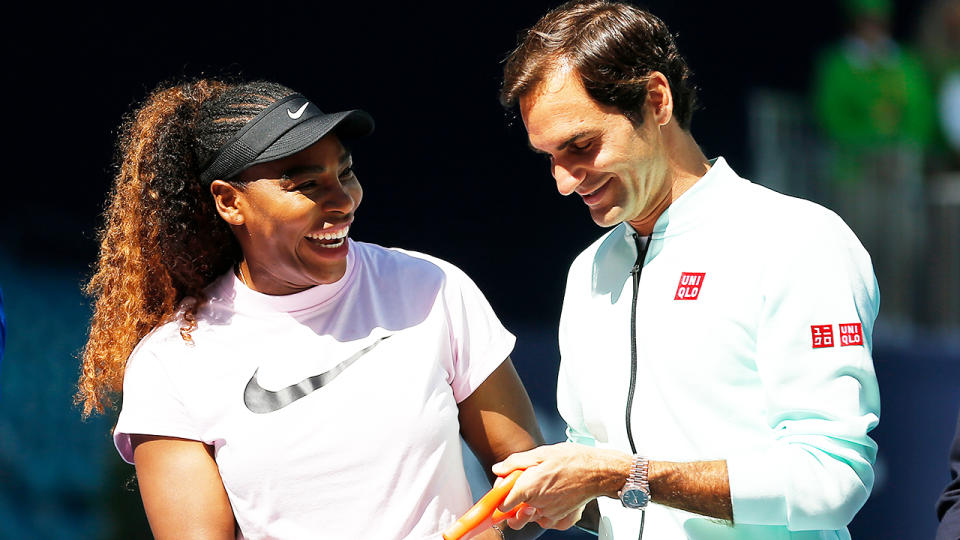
(690, 285)
(851, 334)
(822, 335)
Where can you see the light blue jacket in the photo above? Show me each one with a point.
(754, 321)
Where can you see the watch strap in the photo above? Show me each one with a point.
(638, 479)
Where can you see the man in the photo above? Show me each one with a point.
(716, 342)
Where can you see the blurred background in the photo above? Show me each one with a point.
(852, 104)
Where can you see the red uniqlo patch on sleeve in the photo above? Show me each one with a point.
(851, 334)
(822, 335)
(690, 285)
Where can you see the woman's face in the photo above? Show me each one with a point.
(292, 218)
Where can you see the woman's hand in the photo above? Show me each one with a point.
(483, 533)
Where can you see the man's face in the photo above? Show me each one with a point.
(618, 169)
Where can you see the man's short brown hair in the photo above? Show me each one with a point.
(613, 47)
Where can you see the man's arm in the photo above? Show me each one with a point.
(701, 487)
(561, 478)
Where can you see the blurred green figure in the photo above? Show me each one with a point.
(875, 104)
(870, 91)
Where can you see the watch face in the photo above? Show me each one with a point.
(634, 498)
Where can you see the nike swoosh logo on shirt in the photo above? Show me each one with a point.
(299, 113)
(261, 401)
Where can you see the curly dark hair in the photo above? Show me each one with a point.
(162, 240)
(613, 47)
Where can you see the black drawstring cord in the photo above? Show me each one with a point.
(635, 272)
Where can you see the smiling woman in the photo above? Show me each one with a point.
(292, 217)
(262, 397)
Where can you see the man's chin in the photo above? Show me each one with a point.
(606, 219)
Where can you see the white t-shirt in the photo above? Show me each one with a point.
(333, 411)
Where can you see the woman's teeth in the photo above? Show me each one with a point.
(331, 240)
(336, 244)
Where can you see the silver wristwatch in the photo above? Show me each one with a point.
(636, 492)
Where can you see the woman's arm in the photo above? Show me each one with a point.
(181, 488)
(497, 420)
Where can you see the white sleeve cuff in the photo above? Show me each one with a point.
(757, 488)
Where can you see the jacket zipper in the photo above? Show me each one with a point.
(635, 272)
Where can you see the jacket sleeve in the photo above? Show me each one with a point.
(948, 506)
(814, 339)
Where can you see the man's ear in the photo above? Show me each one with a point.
(660, 98)
(227, 198)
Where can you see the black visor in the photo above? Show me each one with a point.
(282, 129)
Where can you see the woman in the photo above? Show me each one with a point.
(284, 381)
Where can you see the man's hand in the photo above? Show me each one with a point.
(559, 480)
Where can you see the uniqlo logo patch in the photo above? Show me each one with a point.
(690, 285)
(851, 334)
(822, 335)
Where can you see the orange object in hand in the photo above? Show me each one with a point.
(485, 508)
(499, 516)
